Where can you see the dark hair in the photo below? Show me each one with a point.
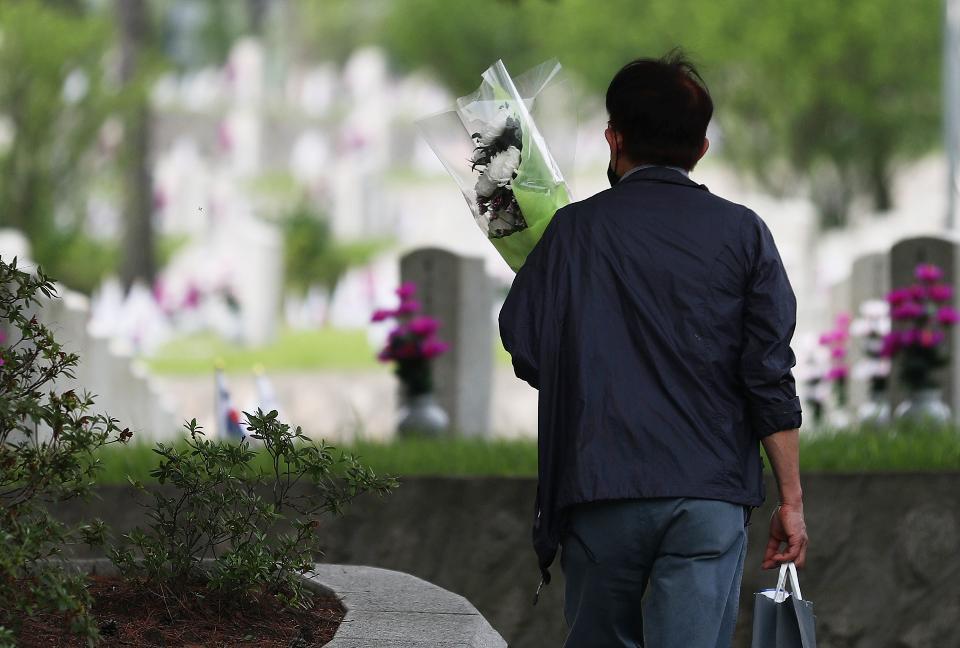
(661, 108)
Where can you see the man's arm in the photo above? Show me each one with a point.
(769, 319)
(787, 526)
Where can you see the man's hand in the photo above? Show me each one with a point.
(786, 527)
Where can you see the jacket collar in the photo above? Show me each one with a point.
(661, 174)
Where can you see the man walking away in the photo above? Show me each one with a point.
(655, 319)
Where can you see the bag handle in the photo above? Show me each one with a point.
(791, 569)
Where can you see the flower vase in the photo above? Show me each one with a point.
(923, 405)
(875, 412)
(421, 415)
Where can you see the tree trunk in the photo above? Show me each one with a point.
(138, 253)
(879, 183)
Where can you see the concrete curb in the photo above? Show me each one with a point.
(389, 608)
(384, 608)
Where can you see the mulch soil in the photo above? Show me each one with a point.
(129, 615)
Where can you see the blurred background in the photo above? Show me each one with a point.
(233, 182)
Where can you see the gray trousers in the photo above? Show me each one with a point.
(657, 573)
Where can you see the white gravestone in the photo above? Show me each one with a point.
(457, 291)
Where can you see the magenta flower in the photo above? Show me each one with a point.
(929, 339)
(406, 290)
(397, 332)
(2, 362)
(918, 293)
(891, 344)
(838, 353)
(948, 315)
(433, 348)
(424, 326)
(909, 337)
(908, 310)
(928, 272)
(940, 293)
(386, 355)
(382, 314)
(837, 373)
(898, 296)
(409, 307)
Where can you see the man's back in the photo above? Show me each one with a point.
(655, 319)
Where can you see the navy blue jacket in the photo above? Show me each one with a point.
(655, 319)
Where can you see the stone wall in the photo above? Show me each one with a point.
(884, 562)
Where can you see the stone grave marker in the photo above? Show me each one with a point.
(904, 258)
(869, 280)
(456, 290)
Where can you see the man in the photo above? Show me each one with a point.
(655, 319)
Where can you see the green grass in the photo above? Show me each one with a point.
(328, 348)
(410, 457)
(837, 452)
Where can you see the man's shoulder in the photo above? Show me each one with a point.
(695, 197)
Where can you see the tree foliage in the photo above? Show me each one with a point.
(54, 99)
(812, 96)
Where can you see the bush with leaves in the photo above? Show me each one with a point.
(221, 519)
(48, 438)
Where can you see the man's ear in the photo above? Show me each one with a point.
(703, 149)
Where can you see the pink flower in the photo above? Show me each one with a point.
(838, 353)
(948, 315)
(928, 339)
(382, 314)
(406, 290)
(940, 293)
(843, 321)
(908, 310)
(826, 339)
(433, 348)
(424, 326)
(837, 373)
(909, 337)
(918, 293)
(898, 296)
(928, 272)
(891, 344)
(397, 332)
(2, 362)
(409, 307)
(386, 355)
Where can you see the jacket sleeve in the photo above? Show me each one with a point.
(769, 320)
(529, 304)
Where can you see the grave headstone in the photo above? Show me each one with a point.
(905, 256)
(869, 281)
(456, 290)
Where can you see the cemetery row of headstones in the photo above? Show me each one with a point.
(841, 392)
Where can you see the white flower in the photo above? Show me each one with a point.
(493, 129)
(503, 166)
(485, 186)
(874, 308)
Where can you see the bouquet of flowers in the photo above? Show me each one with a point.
(412, 343)
(873, 328)
(924, 315)
(491, 145)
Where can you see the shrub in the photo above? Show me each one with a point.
(48, 438)
(218, 519)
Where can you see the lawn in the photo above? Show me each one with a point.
(293, 350)
(864, 451)
(326, 349)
